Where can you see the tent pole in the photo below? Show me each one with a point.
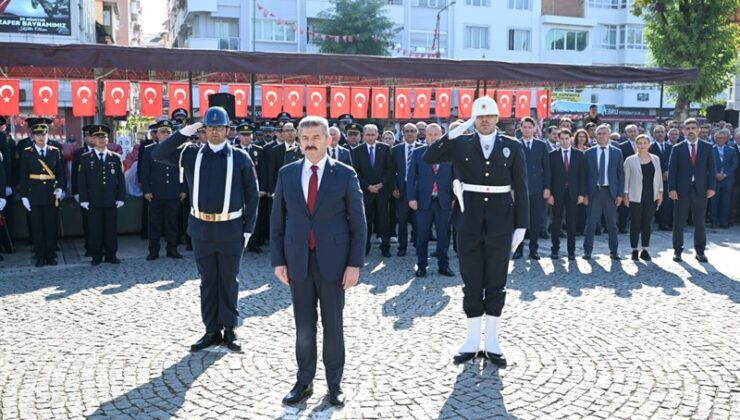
(660, 111)
(477, 88)
(253, 112)
(190, 86)
(485, 87)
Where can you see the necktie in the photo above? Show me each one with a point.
(435, 168)
(408, 157)
(529, 145)
(333, 153)
(693, 154)
(313, 189)
(565, 160)
(43, 152)
(372, 156)
(101, 156)
(602, 167)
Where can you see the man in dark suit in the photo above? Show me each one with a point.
(139, 163)
(538, 177)
(102, 191)
(374, 166)
(88, 143)
(691, 182)
(628, 149)
(402, 156)
(223, 186)
(567, 184)
(283, 151)
(726, 160)
(430, 195)
(491, 218)
(662, 149)
(604, 189)
(335, 151)
(316, 243)
(257, 154)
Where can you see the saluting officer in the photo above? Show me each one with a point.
(88, 143)
(42, 181)
(223, 186)
(257, 154)
(162, 188)
(102, 190)
(492, 201)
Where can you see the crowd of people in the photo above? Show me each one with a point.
(583, 182)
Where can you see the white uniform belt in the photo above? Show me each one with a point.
(215, 217)
(458, 188)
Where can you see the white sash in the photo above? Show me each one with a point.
(229, 180)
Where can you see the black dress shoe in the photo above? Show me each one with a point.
(554, 255)
(571, 257)
(230, 340)
(586, 257)
(645, 256)
(421, 272)
(96, 261)
(677, 258)
(615, 257)
(298, 394)
(497, 359)
(517, 255)
(534, 256)
(386, 253)
(401, 252)
(51, 261)
(445, 271)
(336, 396)
(701, 258)
(176, 255)
(635, 255)
(39, 263)
(464, 357)
(208, 340)
(113, 260)
(152, 257)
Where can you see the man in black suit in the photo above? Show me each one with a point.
(662, 149)
(567, 183)
(88, 143)
(139, 163)
(402, 156)
(372, 161)
(628, 149)
(335, 151)
(691, 182)
(317, 235)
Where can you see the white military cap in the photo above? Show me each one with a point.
(484, 106)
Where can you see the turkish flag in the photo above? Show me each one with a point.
(316, 101)
(10, 97)
(523, 100)
(465, 102)
(402, 103)
(204, 91)
(380, 103)
(503, 100)
(293, 100)
(340, 101)
(116, 98)
(360, 101)
(45, 97)
(422, 102)
(150, 96)
(241, 101)
(179, 96)
(83, 97)
(271, 100)
(543, 104)
(442, 100)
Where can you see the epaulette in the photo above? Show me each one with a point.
(28, 148)
(51, 147)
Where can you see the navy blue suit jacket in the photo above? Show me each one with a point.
(575, 177)
(665, 156)
(681, 171)
(398, 154)
(538, 166)
(614, 172)
(627, 149)
(343, 155)
(338, 222)
(728, 165)
(422, 178)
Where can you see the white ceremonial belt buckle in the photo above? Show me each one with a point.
(215, 217)
(487, 189)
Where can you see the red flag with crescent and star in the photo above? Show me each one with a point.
(465, 102)
(422, 102)
(271, 100)
(241, 100)
(83, 97)
(116, 98)
(316, 100)
(340, 101)
(45, 97)
(402, 103)
(380, 103)
(523, 100)
(179, 96)
(150, 97)
(503, 100)
(204, 91)
(442, 98)
(543, 104)
(360, 101)
(293, 100)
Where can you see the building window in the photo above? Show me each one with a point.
(643, 97)
(560, 39)
(608, 4)
(107, 16)
(479, 3)
(422, 41)
(519, 4)
(476, 37)
(635, 38)
(429, 3)
(518, 40)
(269, 30)
(606, 36)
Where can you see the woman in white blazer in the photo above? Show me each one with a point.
(643, 191)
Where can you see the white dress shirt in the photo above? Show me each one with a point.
(606, 163)
(487, 140)
(39, 149)
(306, 174)
(528, 143)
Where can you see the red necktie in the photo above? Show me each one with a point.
(313, 189)
(435, 168)
(565, 160)
(693, 154)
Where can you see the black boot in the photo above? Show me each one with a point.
(231, 341)
(208, 340)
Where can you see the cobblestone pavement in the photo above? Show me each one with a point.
(585, 339)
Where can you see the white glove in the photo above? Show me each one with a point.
(60, 195)
(517, 238)
(246, 239)
(191, 129)
(2, 204)
(85, 205)
(460, 129)
(8, 191)
(77, 198)
(26, 203)
(119, 204)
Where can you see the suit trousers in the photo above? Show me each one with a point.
(43, 218)
(376, 214)
(405, 216)
(641, 218)
(144, 218)
(163, 216)
(218, 264)
(86, 229)
(565, 204)
(329, 294)
(664, 215)
(103, 225)
(601, 204)
(695, 202)
(720, 203)
(441, 219)
(735, 203)
(537, 216)
(624, 215)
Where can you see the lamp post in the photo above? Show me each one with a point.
(435, 39)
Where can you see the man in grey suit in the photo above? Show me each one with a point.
(335, 151)
(317, 240)
(604, 189)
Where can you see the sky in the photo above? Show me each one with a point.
(154, 14)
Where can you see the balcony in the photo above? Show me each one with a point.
(568, 8)
(195, 6)
(213, 43)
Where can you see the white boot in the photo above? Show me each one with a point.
(472, 343)
(493, 325)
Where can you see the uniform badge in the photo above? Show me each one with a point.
(507, 152)
(254, 153)
(113, 171)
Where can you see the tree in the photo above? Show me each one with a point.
(371, 31)
(693, 33)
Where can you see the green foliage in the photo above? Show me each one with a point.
(693, 33)
(372, 31)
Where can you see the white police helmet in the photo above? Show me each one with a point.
(484, 106)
